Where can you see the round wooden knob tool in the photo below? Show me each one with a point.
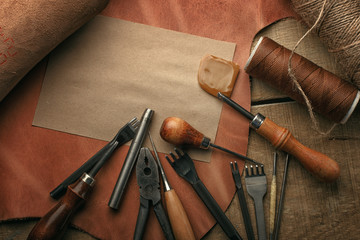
(178, 132)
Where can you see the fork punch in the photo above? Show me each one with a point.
(184, 167)
(242, 200)
(256, 187)
(125, 134)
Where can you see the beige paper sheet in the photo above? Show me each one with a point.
(111, 70)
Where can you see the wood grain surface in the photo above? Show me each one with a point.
(312, 209)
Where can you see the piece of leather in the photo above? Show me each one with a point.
(29, 30)
(34, 160)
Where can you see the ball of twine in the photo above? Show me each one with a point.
(338, 28)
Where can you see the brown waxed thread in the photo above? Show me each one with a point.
(329, 95)
(293, 77)
(338, 28)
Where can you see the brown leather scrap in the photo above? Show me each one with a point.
(34, 160)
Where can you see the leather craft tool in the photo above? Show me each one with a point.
(30, 30)
(178, 132)
(148, 180)
(130, 159)
(273, 198)
(178, 218)
(282, 194)
(184, 166)
(54, 223)
(256, 188)
(124, 135)
(320, 165)
(242, 200)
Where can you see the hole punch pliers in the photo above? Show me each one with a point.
(148, 180)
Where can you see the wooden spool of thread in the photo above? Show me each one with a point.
(328, 94)
(338, 28)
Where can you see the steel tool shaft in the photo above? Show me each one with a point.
(281, 201)
(130, 159)
(178, 218)
(320, 165)
(166, 183)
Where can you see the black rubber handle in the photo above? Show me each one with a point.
(142, 219)
(260, 218)
(164, 221)
(245, 214)
(215, 210)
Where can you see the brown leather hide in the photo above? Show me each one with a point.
(34, 160)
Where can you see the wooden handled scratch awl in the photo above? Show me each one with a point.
(178, 218)
(318, 164)
(179, 132)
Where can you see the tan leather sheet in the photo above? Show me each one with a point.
(29, 30)
(34, 160)
(115, 69)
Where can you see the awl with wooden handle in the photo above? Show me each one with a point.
(179, 221)
(179, 132)
(318, 164)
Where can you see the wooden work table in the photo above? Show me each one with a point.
(311, 210)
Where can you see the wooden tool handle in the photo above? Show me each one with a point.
(178, 132)
(272, 204)
(178, 218)
(320, 165)
(54, 223)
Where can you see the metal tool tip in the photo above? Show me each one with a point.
(133, 120)
(246, 171)
(151, 140)
(274, 163)
(220, 95)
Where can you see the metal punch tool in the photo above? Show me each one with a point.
(256, 187)
(184, 167)
(242, 200)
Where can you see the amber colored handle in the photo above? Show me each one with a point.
(178, 132)
(54, 223)
(272, 205)
(320, 165)
(178, 218)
